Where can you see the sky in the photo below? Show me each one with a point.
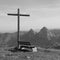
(42, 13)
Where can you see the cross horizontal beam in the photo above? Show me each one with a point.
(18, 14)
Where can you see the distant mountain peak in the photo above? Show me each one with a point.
(31, 31)
(45, 28)
(43, 31)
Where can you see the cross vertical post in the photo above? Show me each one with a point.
(18, 24)
(18, 29)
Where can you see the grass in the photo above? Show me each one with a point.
(40, 55)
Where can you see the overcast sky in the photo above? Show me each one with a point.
(42, 13)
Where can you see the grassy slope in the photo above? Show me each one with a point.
(40, 55)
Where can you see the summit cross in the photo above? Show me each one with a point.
(18, 24)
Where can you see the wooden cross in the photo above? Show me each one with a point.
(18, 16)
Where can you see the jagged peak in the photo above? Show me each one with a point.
(31, 31)
(43, 30)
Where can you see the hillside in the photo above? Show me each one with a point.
(44, 38)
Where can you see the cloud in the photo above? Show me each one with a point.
(3, 13)
(44, 12)
(31, 3)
